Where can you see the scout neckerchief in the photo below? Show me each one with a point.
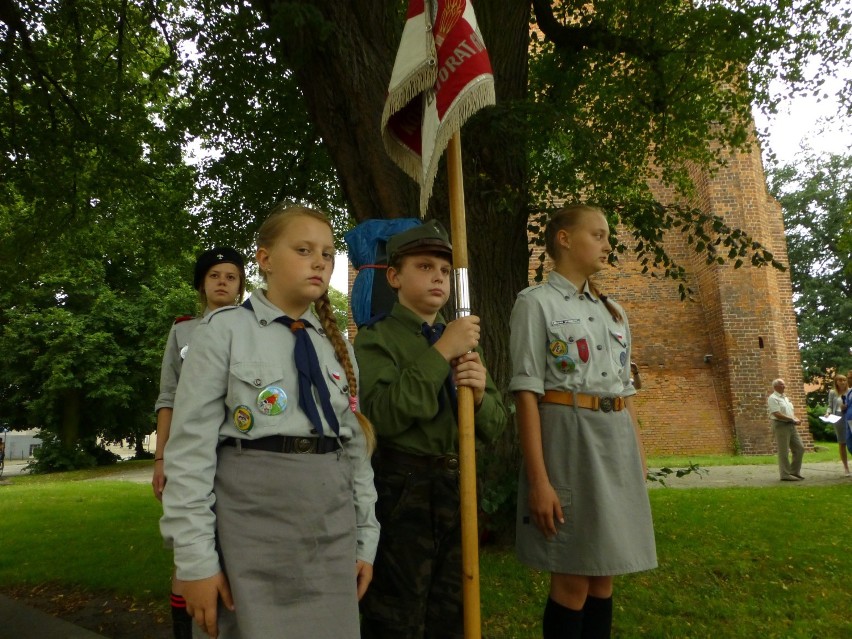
(310, 374)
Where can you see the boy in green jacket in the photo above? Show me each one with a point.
(410, 363)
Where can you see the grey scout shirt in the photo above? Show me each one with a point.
(565, 339)
(177, 346)
(236, 354)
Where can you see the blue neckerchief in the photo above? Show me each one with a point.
(310, 374)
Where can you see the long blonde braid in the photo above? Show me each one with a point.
(325, 312)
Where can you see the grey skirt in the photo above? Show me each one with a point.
(840, 431)
(285, 526)
(593, 462)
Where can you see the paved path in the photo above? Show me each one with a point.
(23, 622)
(13, 467)
(753, 476)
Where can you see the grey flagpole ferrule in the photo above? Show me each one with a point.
(462, 293)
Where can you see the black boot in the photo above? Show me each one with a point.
(597, 618)
(181, 621)
(560, 622)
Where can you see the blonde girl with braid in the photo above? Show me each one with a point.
(583, 509)
(267, 427)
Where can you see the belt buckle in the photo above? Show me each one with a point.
(606, 404)
(451, 463)
(304, 445)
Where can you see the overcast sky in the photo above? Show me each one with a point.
(806, 120)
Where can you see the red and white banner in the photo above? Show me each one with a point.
(442, 76)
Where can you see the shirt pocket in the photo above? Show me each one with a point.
(618, 347)
(249, 380)
(338, 389)
(336, 380)
(568, 348)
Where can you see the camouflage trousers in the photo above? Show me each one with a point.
(417, 578)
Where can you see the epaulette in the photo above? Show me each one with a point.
(529, 289)
(219, 311)
(184, 318)
(375, 319)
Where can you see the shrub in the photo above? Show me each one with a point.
(821, 431)
(53, 457)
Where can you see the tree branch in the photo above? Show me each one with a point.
(11, 16)
(573, 39)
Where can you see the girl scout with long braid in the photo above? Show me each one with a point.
(220, 280)
(266, 429)
(583, 509)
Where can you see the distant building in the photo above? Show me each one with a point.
(20, 444)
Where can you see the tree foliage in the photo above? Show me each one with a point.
(99, 214)
(340, 305)
(816, 198)
(95, 237)
(593, 99)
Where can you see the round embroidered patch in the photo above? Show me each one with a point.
(243, 419)
(558, 348)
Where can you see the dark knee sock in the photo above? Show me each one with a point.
(181, 621)
(597, 618)
(560, 622)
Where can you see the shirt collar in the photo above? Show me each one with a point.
(266, 312)
(566, 287)
(411, 320)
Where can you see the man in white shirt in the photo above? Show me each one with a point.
(784, 424)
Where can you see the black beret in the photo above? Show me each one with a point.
(430, 237)
(209, 259)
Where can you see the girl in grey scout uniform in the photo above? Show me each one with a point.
(265, 427)
(583, 510)
(220, 280)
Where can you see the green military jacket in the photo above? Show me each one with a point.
(403, 389)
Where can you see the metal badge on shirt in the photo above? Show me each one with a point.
(272, 400)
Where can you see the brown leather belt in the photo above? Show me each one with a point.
(287, 444)
(581, 400)
(394, 457)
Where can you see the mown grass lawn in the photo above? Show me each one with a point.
(734, 562)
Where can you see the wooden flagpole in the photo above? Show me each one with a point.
(467, 444)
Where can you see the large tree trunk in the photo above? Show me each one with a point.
(69, 426)
(344, 79)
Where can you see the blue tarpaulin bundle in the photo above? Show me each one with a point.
(370, 294)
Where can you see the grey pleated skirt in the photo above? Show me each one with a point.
(593, 462)
(286, 530)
